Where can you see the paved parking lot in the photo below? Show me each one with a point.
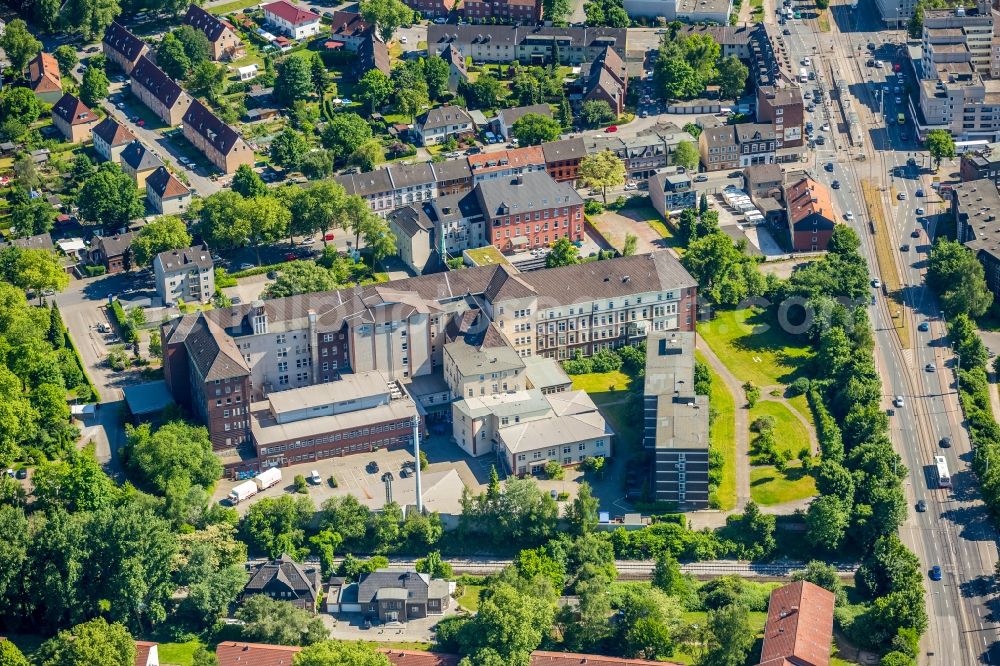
(351, 627)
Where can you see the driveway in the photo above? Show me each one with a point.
(615, 226)
(351, 627)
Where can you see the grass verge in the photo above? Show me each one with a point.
(234, 6)
(824, 21)
(753, 347)
(722, 436)
(769, 486)
(887, 268)
(601, 382)
(470, 598)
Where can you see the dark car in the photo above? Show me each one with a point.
(945, 442)
(871, 46)
(372, 467)
(736, 174)
(935, 572)
(924, 326)
(829, 166)
(21, 473)
(915, 233)
(905, 247)
(821, 140)
(786, 31)
(922, 506)
(919, 193)
(835, 184)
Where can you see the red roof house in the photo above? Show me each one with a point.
(232, 653)
(799, 627)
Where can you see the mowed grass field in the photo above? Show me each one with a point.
(769, 486)
(789, 432)
(754, 347)
(722, 436)
(601, 382)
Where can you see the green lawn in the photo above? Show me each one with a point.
(723, 436)
(757, 621)
(178, 654)
(601, 382)
(769, 486)
(234, 6)
(753, 347)
(801, 404)
(470, 598)
(789, 433)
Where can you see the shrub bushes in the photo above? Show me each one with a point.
(125, 324)
(827, 431)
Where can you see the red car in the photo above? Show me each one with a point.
(141, 123)
(611, 128)
(328, 236)
(290, 257)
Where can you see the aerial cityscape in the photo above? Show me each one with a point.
(500, 333)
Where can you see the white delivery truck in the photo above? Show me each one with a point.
(242, 492)
(803, 75)
(267, 478)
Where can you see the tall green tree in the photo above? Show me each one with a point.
(274, 526)
(603, 170)
(345, 133)
(88, 644)
(175, 449)
(940, 145)
(373, 89)
(562, 253)
(95, 86)
(66, 56)
(557, 11)
(248, 183)
(581, 514)
(686, 155)
(596, 112)
(19, 44)
(436, 73)
(732, 77)
(958, 278)
(340, 653)
(288, 148)
(386, 16)
(208, 79)
(109, 197)
(533, 129)
(33, 217)
(278, 622)
(167, 232)
(294, 81)
(172, 58)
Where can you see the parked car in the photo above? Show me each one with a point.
(898, 401)
(876, 283)
(930, 367)
(829, 166)
(835, 184)
(611, 128)
(21, 474)
(245, 266)
(919, 211)
(700, 178)
(915, 233)
(315, 477)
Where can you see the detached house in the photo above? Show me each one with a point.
(112, 252)
(165, 193)
(562, 158)
(225, 44)
(73, 119)
(159, 92)
(811, 219)
(291, 19)
(284, 579)
(348, 28)
(799, 628)
(399, 595)
(139, 162)
(44, 78)
(437, 125)
(605, 79)
(507, 117)
(219, 142)
(122, 47)
(111, 138)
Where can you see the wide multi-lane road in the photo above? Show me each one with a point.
(954, 532)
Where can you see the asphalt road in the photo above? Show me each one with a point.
(955, 532)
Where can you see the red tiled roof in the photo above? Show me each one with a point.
(232, 653)
(799, 626)
(166, 185)
(142, 652)
(399, 657)
(348, 24)
(291, 13)
(542, 658)
(807, 197)
(43, 73)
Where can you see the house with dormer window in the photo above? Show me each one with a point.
(74, 119)
(284, 579)
(438, 125)
(757, 143)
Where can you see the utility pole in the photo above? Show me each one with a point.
(416, 456)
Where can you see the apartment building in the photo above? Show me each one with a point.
(426, 233)
(441, 123)
(975, 207)
(225, 44)
(122, 47)
(689, 11)
(810, 215)
(676, 422)
(399, 329)
(529, 45)
(457, 72)
(757, 143)
(349, 28)
(159, 92)
(139, 162)
(782, 107)
(217, 141)
(292, 20)
(959, 67)
(642, 155)
(718, 148)
(502, 164)
(502, 11)
(452, 176)
(562, 158)
(186, 275)
(529, 210)
(671, 192)
(605, 79)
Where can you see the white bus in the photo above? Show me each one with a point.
(944, 478)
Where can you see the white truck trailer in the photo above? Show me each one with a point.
(242, 491)
(267, 478)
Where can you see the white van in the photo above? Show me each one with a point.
(315, 477)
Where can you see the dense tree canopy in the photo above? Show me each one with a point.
(958, 278)
(164, 233)
(109, 197)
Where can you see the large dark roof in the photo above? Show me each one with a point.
(113, 133)
(124, 42)
(166, 185)
(71, 110)
(441, 116)
(524, 193)
(140, 158)
(411, 581)
(577, 36)
(411, 220)
(197, 17)
(211, 127)
(212, 351)
(156, 81)
(302, 580)
(373, 54)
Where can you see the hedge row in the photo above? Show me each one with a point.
(984, 433)
(125, 324)
(831, 443)
(258, 270)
